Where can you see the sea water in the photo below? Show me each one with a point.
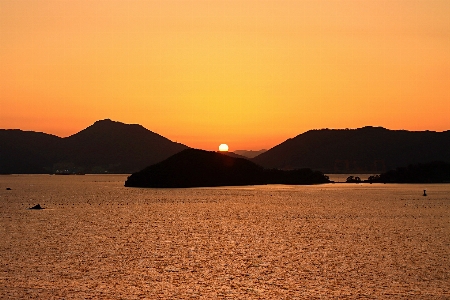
(97, 239)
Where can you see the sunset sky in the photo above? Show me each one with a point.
(249, 73)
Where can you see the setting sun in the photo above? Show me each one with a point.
(223, 147)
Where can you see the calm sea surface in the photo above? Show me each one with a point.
(98, 239)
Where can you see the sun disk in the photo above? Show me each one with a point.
(223, 147)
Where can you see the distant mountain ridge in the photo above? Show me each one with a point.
(249, 153)
(115, 147)
(363, 150)
(105, 146)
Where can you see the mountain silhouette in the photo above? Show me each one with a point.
(363, 150)
(105, 146)
(114, 147)
(27, 151)
(200, 168)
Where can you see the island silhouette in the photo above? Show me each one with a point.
(200, 168)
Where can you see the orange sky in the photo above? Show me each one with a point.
(249, 73)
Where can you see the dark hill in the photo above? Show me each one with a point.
(26, 151)
(105, 146)
(363, 150)
(117, 147)
(199, 168)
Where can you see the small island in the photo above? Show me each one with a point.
(200, 168)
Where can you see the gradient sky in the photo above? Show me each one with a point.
(249, 73)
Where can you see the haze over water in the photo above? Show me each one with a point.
(98, 239)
